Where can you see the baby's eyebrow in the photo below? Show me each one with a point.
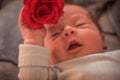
(51, 29)
(78, 16)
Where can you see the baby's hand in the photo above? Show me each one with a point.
(30, 35)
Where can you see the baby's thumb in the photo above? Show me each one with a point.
(20, 20)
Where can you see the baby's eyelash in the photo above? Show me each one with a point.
(80, 24)
(55, 34)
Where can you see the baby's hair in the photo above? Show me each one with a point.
(94, 20)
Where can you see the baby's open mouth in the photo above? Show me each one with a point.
(73, 46)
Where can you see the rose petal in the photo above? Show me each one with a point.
(27, 2)
(27, 18)
(39, 12)
(38, 16)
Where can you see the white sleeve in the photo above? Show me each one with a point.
(33, 62)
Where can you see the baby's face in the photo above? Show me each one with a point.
(74, 35)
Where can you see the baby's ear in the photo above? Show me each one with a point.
(104, 44)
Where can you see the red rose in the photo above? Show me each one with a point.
(38, 12)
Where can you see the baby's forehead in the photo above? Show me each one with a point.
(71, 14)
(74, 12)
(75, 9)
(74, 17)
(66, 21)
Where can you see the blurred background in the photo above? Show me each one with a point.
(107, 12)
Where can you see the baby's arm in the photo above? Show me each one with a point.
(33, 58)
(33, 62)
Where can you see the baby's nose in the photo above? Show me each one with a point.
(68, 31)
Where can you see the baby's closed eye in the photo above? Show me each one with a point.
(80, 25)
(55, 34)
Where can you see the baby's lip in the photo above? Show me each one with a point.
(74, 46)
